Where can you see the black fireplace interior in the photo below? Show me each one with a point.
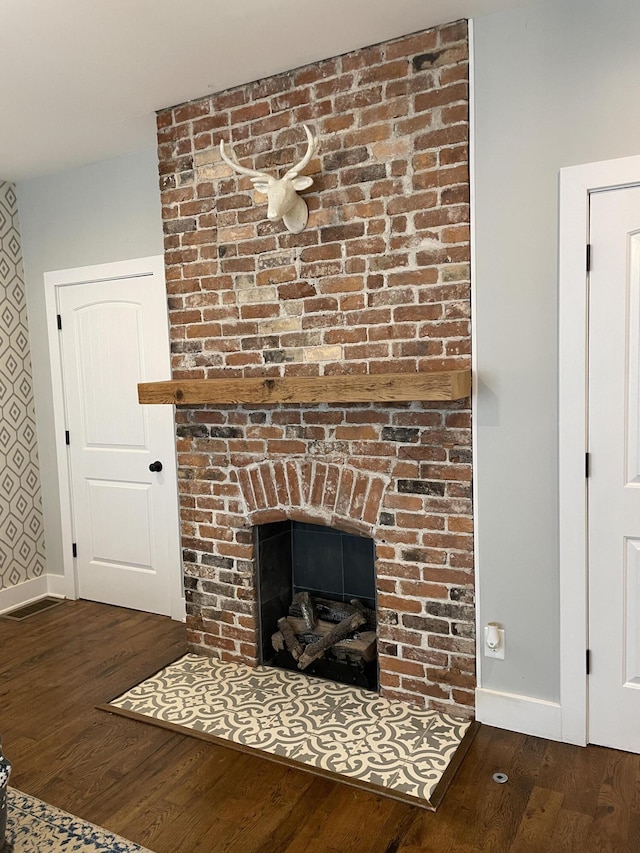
(294, 557)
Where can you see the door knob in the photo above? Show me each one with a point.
(156, 467)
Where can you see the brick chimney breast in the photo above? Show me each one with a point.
(378, 282)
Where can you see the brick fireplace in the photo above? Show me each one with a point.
(377, 283)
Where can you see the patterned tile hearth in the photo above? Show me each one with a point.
(34, 826)
(344, 732)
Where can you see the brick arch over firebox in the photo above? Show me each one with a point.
(314, 491)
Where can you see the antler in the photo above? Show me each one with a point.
(232, 160)
(311, 149)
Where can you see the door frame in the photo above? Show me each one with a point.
(576, 185)
(94, 274)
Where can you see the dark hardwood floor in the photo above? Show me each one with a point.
(176, 794)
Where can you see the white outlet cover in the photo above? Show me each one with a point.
(497, 653)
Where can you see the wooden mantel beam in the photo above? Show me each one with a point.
(379, 388)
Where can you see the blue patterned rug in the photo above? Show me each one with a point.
(36, 827)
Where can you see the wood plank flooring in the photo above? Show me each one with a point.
(175, 794)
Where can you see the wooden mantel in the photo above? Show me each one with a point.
(378, 388)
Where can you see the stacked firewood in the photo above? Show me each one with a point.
(315, 627)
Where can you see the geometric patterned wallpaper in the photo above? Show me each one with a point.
(21, 530)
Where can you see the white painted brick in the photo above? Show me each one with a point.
(255, 295)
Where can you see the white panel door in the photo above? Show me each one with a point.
(114, 335)
(614, 482)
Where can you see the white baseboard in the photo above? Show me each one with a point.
(519, 713)
(23, 593)
(32, 590)
(57, 586)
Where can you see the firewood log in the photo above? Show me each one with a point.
(341, 630)
(325, 608)
(277, 641)
(359, 647)
(308, 610)
(290, 639)
(369, 615)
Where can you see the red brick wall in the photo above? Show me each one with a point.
(377, 282)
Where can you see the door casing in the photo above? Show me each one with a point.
(150, 266)
(576, 185)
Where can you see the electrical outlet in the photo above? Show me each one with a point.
(498, 652)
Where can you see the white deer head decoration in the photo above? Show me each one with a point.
(282, 193)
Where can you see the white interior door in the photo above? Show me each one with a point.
(114, 334)
(614, 481)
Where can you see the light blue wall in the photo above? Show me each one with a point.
(556, 84)
(108, 211)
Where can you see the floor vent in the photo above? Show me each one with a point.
(28, 610)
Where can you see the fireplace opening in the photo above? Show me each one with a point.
(319, 584)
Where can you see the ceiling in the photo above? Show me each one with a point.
(80, 80)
